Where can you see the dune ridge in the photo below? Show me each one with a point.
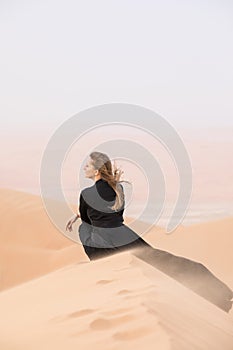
(116, 302)
(52, 296)
(31, 246)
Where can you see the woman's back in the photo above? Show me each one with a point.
(95, 206)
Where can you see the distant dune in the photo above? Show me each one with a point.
(30, 245)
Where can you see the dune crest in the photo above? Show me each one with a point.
(72, 308)
(30, 245)
(50, 288)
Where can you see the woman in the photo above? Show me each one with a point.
(103, 232)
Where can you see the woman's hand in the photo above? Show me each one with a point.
(71, 222)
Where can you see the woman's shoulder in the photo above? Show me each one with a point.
(86, 196)
(86, 191)
(89, 192)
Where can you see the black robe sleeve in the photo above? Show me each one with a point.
(85, 228)
(83, 210)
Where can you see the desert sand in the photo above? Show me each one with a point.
(52, 296)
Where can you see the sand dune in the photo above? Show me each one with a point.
(209, 243)
(30, 245)
(118, 302)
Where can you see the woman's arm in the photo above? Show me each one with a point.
(83, 209)
(72, 221)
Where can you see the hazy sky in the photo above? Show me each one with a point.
(60, 57)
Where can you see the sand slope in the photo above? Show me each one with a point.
(209, 243)
(118, 302)
(30, 245)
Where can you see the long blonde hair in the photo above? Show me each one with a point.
(110, 174)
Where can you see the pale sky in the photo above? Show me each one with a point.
(175, 57)
(60, 57)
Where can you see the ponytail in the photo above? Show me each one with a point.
(102, 162)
